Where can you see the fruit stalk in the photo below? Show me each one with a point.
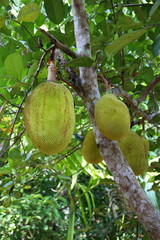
(52, 72)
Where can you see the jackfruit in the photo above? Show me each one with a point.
(135, 150)
(112, 117)
(49, 117)
(90, 150)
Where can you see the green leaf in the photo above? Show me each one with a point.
(80, 62)
(14, 65)
(14, 153)
(2, 21)
(32, 69)
(156, 46)
(5, 170)
(154, 8)
(55, 10)
(125, 23)
(29, 12)
(122, 41)
(7, 202)
(5, 3)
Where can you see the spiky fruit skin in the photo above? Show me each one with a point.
(112, 117)
(90, 150)
(135, 150)
(49, 117)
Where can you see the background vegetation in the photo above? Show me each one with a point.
(41, 196)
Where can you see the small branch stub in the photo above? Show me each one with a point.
(52, 72)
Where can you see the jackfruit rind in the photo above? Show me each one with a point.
(49, 117)
(135, 150)
(90, 150)
(112, 117)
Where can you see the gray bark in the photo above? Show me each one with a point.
(122, 173)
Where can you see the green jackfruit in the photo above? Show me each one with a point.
(135, 150)
(112, 117)
(90, 150)
(49, 117)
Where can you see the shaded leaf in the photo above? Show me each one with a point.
(126, 23)
(80, 62)
(156, 46)
(29, 12)
(122, 41)
(7, 202)
(55, 10)
(154, 8)
(2, 22)
(5, 3)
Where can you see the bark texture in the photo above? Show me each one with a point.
(123, 174)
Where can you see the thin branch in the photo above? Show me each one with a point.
(136, 5)
(59, 45)
(35, 40)
(118, 91)
(16, 139)
(139, 121)
(149, 89)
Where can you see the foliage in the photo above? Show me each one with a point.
(36, 189)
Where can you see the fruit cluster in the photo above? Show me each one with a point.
(49, 119)
(113, 121)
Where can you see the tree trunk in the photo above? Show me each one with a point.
(123, 174)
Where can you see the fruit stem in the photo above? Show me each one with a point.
(52, 72)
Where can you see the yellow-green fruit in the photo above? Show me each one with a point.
(90, 150)
(146, 145)
(112, 117)
(135, 150)
(49, 117)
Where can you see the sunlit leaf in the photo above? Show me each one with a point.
(5, 170)
(154, 8)
(29, 12)
(14, 65)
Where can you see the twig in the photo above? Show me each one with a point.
(17, 138)
(148, 89)
(39, 45)
(74, 149)
(133, 103)
(59, 45)
(136, 5)
(139, 121)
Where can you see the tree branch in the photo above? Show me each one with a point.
(148, 89)
(110, 151)
(59, 45)
(118, 91)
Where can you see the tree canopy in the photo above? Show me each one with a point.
(48, 196)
